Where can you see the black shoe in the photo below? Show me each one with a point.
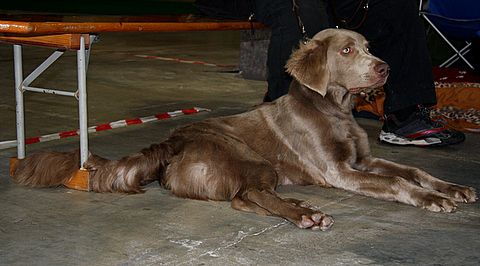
(418, 130)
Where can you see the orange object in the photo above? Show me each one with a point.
(458, 105)
(79, 181)
(13, 165)
(32, 25)
(61, 41)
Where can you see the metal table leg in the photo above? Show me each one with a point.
(82, 102)
(17, 58)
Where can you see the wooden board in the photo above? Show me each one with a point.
(48, 25)
(59, 41)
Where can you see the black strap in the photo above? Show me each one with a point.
(301, 26)
(346, 23)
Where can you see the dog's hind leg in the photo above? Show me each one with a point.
(302, 217)
(261, 180)
(242, 204)
(220, 168)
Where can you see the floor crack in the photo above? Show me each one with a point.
(240, 237)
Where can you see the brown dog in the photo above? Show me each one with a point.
(306, 137)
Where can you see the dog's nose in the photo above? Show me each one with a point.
(382, 69)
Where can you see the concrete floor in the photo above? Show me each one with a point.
(58, 226)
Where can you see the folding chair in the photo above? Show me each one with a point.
(454, 20)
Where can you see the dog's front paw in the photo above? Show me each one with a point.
(437, 203)
(461, 193)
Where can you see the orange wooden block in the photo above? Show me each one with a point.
(13, 165)
(79, 181)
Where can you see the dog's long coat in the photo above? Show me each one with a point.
(306, 137)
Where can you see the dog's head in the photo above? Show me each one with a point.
(337, 57)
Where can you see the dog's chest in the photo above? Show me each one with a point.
(351, 143)
(307, 154)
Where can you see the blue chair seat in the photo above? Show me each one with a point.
(454, 20)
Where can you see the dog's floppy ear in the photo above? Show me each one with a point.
(308, 65)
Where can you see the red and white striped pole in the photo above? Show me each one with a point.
(107, 126)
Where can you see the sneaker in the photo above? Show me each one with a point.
(418, 130)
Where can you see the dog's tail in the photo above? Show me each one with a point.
(47, 169)
(126, 175)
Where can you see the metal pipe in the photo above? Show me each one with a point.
(448, 42)
(82, 102)
(420, 6)
(92, 38)
(42, 67)
(19, 108)
(51, 91)
(454, 58)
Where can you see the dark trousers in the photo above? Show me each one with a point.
(393, 28)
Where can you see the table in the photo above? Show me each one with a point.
(77, 33)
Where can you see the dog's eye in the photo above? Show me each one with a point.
(346, 50)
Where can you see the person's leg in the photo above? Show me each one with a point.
(314, 15)
(279, 16)
(397, 35)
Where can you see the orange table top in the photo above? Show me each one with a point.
(32, 25)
